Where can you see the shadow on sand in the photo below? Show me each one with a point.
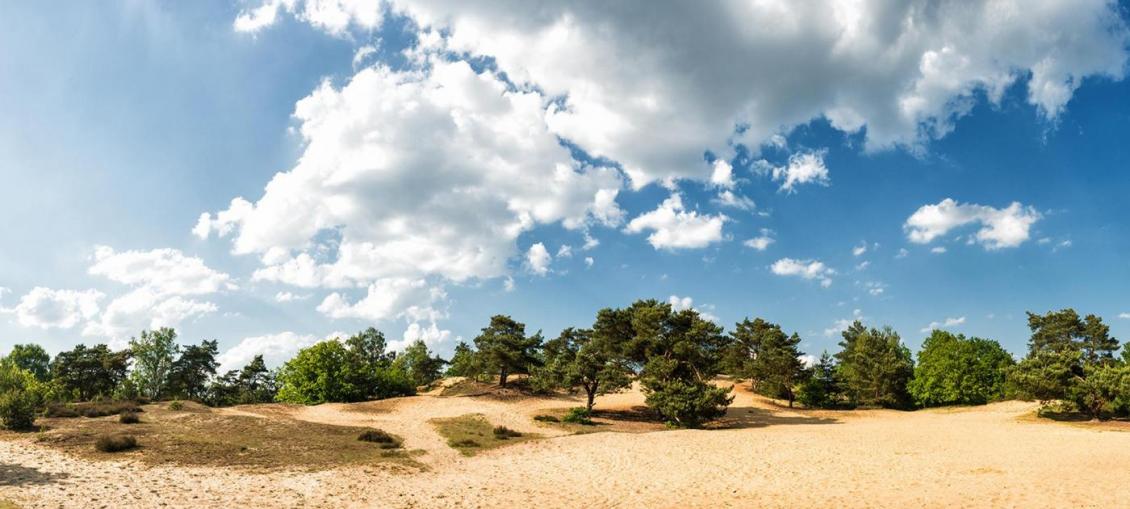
(19, 475)
(753, 417)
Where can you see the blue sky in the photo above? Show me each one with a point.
(439, 144)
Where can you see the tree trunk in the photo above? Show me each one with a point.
(502, 378)
(590, 391)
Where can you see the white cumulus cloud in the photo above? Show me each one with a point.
(948, 322)
(673, 227)
(538, 259)
(46, 308)
(999, 228)
(805, 269)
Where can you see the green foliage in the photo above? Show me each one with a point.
(677, 354)
(464, 362)
(368, 346)
(319, 374)
(762, 352)
(153, 354)
(419, 365)
(84, 373)
(1071, 359)
(330, 372)
(578, 358)
(822, 388)
(115, 443)
(33, 359)
(578, 415)
(875, 367)
(504, 348)
(953, 370)
(176, 406)
(189, 374)
(21, 396)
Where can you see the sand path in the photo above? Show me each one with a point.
(978, 457)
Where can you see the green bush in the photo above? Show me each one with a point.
(115, 443)
(687, 404)
(546, 418)
(953, 370)
(176, 406)
(504, 433)
(578, 415)
(21, 397)
(128, 417)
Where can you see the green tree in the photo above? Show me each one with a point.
(774, 362)
(256, 383)
(418, 364)
(153, 354)
(953, 370)
(504, 348)
(822, 387)
(369, 346)
(189, 374)
(86, 372)
(677, 354)
(577, 358)
(319, 374)
(464, 362)
(21, 396)
(875, 367)
(33, 359)
(1064, 353)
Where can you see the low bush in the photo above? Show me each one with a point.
(128, 417)
(578, 415)
(504, 433)
(546, 418)
(115, 443)
(176, 406)
(92, 409)
(383, 439)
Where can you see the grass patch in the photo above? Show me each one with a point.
(115, 443)
(90, 409)
(578, 415)
(381, 438)
(209, 438)
(546, 418)
(472, 433)
(176, 406)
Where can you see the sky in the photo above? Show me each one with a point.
(272, 173)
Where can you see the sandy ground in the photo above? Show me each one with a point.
(992, 456)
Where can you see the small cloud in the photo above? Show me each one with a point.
(903, 253)
(289, 297)
(761, 242)
(938, 250)
(1124, 316)
(589, 261)
(862, 265)
(805, 269)
(859, 250)
(949, 322)
(565, 251)
(538, 259)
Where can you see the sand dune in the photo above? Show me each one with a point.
(767, 456)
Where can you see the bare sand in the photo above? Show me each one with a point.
(766, 456)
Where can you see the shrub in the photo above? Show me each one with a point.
(504, 433)
(578, 415)
(687, 404)
(953, 370)
(115, 443)
(385, 440)
(176, 406)
(21, 397)
(92, 409)
(128, 417)
(546, 418)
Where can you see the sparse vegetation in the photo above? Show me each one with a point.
(578, 415)
(91, 409)
(381, 438)
(115, 443)
(129, 417)
(546, 418)
(176, 406)
(469, 433)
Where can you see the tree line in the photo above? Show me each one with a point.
(674, 355)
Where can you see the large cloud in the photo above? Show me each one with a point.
(413, 175)
(1000, 228)
(674, 227)
(163, 283)
(46, 308)
(654, 84)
